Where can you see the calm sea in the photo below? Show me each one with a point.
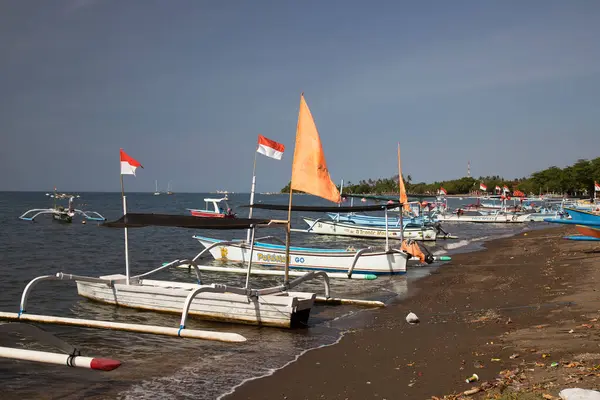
(157, 367)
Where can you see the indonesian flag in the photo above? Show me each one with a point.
(498, 188)
(482, 186)
(128, 164)
(505, 189)
(596, 186)
(443, 191)
(270, 148)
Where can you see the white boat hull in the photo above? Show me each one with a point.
(493, 219)
(371, 262)
(283, 310)
(349, 229)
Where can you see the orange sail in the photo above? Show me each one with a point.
(309, 168)
(403, 196)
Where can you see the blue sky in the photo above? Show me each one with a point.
(185, 87)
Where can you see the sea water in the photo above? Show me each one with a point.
(156, 367)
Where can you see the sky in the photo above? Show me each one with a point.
(185, 87)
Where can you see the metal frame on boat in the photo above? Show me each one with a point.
(63, 215)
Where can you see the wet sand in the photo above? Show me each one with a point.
(505, 313)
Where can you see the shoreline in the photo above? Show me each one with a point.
(481, 306)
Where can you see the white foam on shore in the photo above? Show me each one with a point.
(273, 370)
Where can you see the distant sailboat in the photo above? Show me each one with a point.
(169, 188)
(156, 192)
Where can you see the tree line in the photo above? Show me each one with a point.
(575, 180)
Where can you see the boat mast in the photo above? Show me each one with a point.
(125, 230)
(287, 240)
(401, 205)
(252, 189)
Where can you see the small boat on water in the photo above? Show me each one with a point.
(156, 192)
(62, 214)
(220, 209)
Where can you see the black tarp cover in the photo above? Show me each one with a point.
(284, 207)
(135, 220)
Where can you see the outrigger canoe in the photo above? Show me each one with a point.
(326, 227)
(360, 261)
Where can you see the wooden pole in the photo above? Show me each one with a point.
(286, 278)
(252, 189)
(401, 205)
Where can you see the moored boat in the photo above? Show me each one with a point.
(62, 214)
(360, 261)
(217, 211)
(326, 227)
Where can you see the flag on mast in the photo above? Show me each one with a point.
(309, 168)
(482, 186)
(270, 148)
(128, 164)
(596, 187)
(443, 191)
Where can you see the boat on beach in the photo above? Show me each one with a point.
(327, 227)
(587, 224)
(495, 218)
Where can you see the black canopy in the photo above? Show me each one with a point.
(284, 207)
(394, 197)
(134, 220)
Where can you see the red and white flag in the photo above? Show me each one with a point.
(270, 148)
(505, 189)
(596, 186)
(482, 187)
(128, 164)
(498, 188)
(443, 191)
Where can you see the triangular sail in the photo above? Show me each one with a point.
(309, 168)
(403, 196)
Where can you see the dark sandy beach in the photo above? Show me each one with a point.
(506, 313)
